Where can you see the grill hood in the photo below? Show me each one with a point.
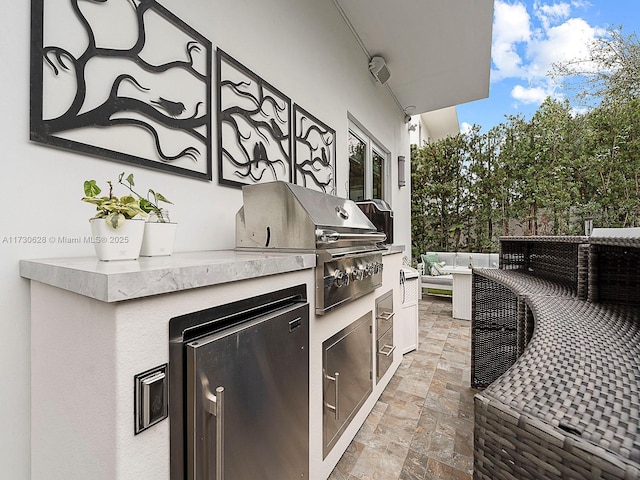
(282, 215)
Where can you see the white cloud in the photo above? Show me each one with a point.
(581, 4)
(558, 10)
(549, 14)
(465, 128)
(569, 40)
(529, 95)
(527, 43)
(575, 111)
(511, 26)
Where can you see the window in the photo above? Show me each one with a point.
(378, 175)
(367, 167)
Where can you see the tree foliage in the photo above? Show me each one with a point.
(541, 176)
(610, 70)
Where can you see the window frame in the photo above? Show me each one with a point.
(371, 146)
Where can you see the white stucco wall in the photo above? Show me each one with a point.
(302, 47)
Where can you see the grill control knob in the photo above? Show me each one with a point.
(377, 267)
(340, 278)
(368, 271)
(357, 273)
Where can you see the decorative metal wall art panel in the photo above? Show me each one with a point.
(254, 127)
(314, 152)
(122, 79)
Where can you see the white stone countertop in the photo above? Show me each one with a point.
(393, 249)
(128, 279)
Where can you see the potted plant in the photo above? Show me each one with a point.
(116, 232)
(159, 231)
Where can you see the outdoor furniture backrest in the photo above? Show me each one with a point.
(453, 259)
(546, 257)
(481, 260)
(614, 270)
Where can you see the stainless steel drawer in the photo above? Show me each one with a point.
(384, 313)
(384, 334)
(385, 349)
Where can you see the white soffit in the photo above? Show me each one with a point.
(438, 51)
(441, 123)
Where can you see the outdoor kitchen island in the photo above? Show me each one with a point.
(95, 326)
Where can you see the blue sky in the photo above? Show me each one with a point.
(528, 37)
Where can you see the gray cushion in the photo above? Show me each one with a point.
(444, 280)
(447, 257)
(480, 260)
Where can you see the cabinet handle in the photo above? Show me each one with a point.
(336, 407)
(215, 406)
(386, 315)
(388, 353)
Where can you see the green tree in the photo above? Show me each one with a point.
(614, 144)
(608, 81)
(486, 192)
(540, 176)
(439, 190)
(553, 157)
(610, 70)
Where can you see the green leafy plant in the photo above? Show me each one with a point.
(115, 210)
(150, 203)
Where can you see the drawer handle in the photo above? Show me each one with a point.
(336, 406)
(386, 315)
(389, 352)
(215, 406)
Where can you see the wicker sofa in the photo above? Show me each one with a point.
(451, 259)
(556, 343)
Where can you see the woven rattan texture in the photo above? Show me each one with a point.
(525, 283)
(502, 325)
(494, 330)
(555, 260)
(578, 384)
(583, 271)
(545, 239)
(614, 274)
(632, 242)
(569, 406)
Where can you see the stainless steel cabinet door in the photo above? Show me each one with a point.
(248, 400)
(347, 363)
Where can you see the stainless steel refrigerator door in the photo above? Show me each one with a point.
(248, 400)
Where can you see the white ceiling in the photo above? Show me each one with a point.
(441, 123)
(438, 51)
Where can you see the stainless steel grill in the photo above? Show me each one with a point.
(282, 216)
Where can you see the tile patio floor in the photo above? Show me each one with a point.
(422, 425)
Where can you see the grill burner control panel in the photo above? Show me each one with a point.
(346, 278)
(357, 273)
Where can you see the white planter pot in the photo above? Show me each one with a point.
(117, 244)
(158, 239)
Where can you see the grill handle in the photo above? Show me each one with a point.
(336, 404)
(324, 236)
(215, 406)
